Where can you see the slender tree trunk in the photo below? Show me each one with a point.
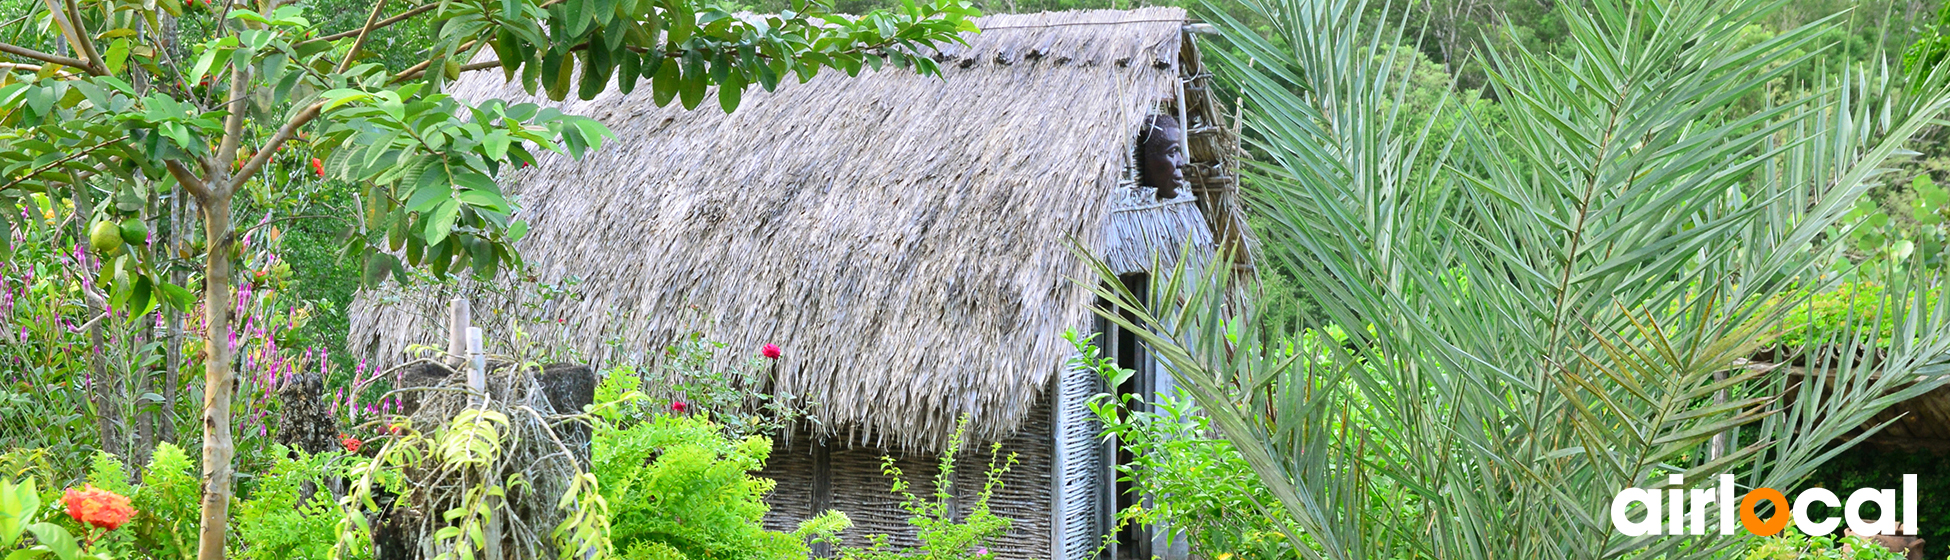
(102, 388)
(217, 378)
(173, 319)
(177, 215)
(145, 380)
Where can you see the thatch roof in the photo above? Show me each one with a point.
(905, 239)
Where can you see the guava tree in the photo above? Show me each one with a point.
(121, 92)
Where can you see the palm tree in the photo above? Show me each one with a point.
(1543, 308)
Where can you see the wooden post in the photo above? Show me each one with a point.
(457, 323)
(476, 361)
(822, 490)
(464, 351)
(464, 346)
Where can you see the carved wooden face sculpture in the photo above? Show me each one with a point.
(1164, 153)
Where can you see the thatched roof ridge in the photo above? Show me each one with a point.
(905, 239)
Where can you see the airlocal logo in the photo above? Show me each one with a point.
(1677, 511)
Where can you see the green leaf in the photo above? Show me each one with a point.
(508, 48)
(595, 73)
(664, 85)
(730, 91)
(378, 266)
(176, 296)
(626, 71)
(562, 74)
(56, 539)
(483, 199)
(433, 188)
(18, 501)
(117, 56)
(580, 14)
(694, 83)
(440, 222)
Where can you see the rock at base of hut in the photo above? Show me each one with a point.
(569, 388)
(303, 421)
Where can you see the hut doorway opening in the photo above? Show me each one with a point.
(1119, 493)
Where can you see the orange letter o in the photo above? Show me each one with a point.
(1752, 520)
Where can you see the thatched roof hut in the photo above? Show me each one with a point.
(906, 240)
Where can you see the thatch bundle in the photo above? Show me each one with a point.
(907, 240)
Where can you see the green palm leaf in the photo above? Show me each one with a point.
(1554, 301)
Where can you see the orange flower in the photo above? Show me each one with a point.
(98, 507)
(351, 444)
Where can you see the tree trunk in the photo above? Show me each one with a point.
(102, 388)
(217, 378)
(173, 319)
(178, 216)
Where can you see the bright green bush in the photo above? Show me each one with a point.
(168, 506)
(278, 520)
(1831, 313)
(1792, 545)
(677, 487)
(274, 519)
(1205, 490)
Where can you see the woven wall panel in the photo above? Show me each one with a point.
(1081, 462)
(791, 465)
(865, 494)
(1025, 494)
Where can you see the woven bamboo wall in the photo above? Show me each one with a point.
(865, 494)
(1081, 463)
(1025, 496)
(791, 466)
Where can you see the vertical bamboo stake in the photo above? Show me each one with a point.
(173, 352)
(464, 345)
(476, 361)
(457, 322)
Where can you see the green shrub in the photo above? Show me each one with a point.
(1868, 467)
(1201, 487)
(677, 487)
(278, 520)
(168, 506)
(274, 519)
(1792, 545)
(1833, 312)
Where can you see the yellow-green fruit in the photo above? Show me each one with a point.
(105, 236)
(453, 69)
(134, 232)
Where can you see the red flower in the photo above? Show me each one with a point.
(679, 407)
(770, 351)
(318, 167)
(351, 444)
(98, 507)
